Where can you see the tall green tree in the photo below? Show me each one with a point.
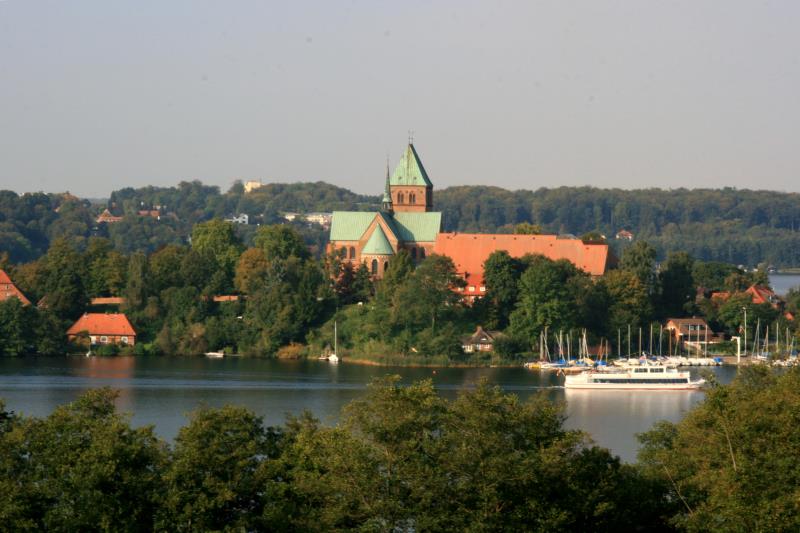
(678, 288)
(280, 241)
(501, 273)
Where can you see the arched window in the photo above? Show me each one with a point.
(385, 266)
(352, 252)
(374, 267)
(413, 253)
(412, 198)
(400, 198)
(422, 253)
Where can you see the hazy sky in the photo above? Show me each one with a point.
(98, 95)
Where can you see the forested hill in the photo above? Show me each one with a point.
(737, 226)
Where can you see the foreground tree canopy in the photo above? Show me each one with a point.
(402, 458)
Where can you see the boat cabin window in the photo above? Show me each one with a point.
(640, 370)
(656, 370)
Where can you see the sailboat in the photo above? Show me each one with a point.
(334, 358)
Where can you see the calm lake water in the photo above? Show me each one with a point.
(162, 390)
(781, 283)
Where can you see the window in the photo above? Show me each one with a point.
(412, 198)
(413, 253)
(483, 288)
(352, 252)
(374, 267)
(103, 339)
(472, 288)
(385, 265)
(400, 198)
(124, 340)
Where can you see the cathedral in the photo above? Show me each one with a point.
(407, 221)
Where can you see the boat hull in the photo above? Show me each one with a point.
(634, 386)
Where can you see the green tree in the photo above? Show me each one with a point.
(544, 299)
(83, 468)
(216, 478)
(16, 327)
(735, 453)
(629, 302)
(678, 289)
(280, 241)
(640, 259)
(501, 273)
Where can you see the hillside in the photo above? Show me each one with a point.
(738, 226)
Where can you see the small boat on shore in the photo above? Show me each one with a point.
(215, 355)
(645, 377)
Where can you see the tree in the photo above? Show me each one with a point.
(629, 302)
(428, 293)
(16, 327)
(544, 299)
(640, 259)
(62, 280)
(216, 239)
(501, 273)
(678, 289)
(83, 468)
(526, 228)
(736, 451)
(280, 241)
(250, 270)
(217, 475)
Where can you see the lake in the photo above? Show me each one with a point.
(781, 283)
(162, 390)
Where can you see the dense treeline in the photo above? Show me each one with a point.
(728, 225)
(283, 301)
(402, 458)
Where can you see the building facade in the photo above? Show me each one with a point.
(407, 221)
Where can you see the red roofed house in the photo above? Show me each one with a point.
(470, 250)
(107, 217)
(761, 294)
(102, 328)
(9, 290)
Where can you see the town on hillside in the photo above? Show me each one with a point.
(399, 287)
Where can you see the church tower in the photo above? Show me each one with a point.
(409, 187)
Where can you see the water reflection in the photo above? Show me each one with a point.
(163, 390)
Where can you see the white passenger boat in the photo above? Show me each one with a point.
(645, 377)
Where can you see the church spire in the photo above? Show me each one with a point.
(386, 203)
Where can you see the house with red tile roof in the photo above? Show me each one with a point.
(9, 290)
(107, 217)
(104, 328)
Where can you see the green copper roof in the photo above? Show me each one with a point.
(418, 227)
(409, 170)
(378, 244)
(350, 225)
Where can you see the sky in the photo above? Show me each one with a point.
(104, 94)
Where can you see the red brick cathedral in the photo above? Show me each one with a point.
(407, 221)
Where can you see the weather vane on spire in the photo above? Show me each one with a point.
(410, 136)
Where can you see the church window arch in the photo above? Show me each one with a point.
(374, 267)
(385, 266)
(412, 198)
(400, 198)
(352, 252)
